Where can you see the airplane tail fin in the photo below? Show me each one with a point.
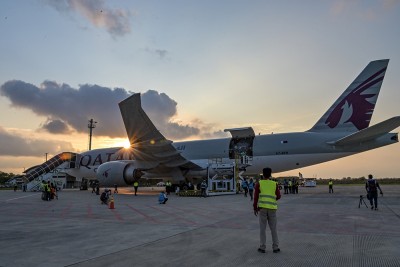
(353, 110)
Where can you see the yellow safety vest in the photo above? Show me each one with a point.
(135, 184)
(267, 197)
(330, 183)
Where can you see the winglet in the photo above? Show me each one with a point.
(138, 125)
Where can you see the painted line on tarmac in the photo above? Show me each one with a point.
(117, 215)
(11, 199)
(142, 213)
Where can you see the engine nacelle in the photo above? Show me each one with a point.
(121, 173)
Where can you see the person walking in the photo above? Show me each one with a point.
(330, 183)
(372, 187)
(265, 204)
(136, 186)
(245, 187)
(251, 188)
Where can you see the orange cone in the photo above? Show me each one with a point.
(111, 203)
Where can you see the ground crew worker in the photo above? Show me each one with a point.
(251, 188)
(162, 198)
(265, 203)
(168, 186)
(97, 189)
(115, 189)
(290, 184)
(295, 186)
(203, 187)
(44, 190)
(285, 186)
(48, 190)
(135, 186)
(330, 183)
(245, 187)
(372, 187)
(104, 197)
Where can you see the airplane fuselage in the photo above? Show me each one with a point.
(281, 152)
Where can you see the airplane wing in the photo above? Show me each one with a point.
(150, 148)
(369, 133)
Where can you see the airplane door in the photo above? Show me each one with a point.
(241, 143)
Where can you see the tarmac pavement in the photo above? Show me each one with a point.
(315, 228)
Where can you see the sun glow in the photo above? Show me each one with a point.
(118, 142)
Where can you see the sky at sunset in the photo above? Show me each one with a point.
(201, 66)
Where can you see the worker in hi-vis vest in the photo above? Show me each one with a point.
(135, 186)
(330, 183)
(265, 204)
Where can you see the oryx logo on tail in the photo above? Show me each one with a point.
(357, 107)
(352, 111)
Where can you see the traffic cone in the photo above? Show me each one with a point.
(111, 203)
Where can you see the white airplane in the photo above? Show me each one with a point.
(342, 131)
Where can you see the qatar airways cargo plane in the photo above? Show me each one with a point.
(343, 130)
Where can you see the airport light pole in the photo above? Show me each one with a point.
(91, 126)
(46, 156)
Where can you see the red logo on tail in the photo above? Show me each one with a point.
(357, 102)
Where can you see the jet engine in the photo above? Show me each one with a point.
(121, 173)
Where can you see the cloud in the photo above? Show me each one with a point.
(363, 9)
(67, 109)
(160, 53)
(115, 21)
(56, 126)
(62, 104)
(13, 145)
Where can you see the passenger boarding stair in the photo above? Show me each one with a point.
(51, 164)
(34, 185)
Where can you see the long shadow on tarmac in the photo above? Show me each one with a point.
(315, 228)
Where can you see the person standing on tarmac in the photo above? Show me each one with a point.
(48, 190)
(330, 183)
(285, 186)
(245, 187)
(295, 186)
(115, 189)
(203, 187)
(372, 187)
(135, 186)
(168, 186)
(251, 188)
(265, 204)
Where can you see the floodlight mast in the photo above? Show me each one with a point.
(91, 126)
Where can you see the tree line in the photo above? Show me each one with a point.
(360, 180)
(4, 177)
